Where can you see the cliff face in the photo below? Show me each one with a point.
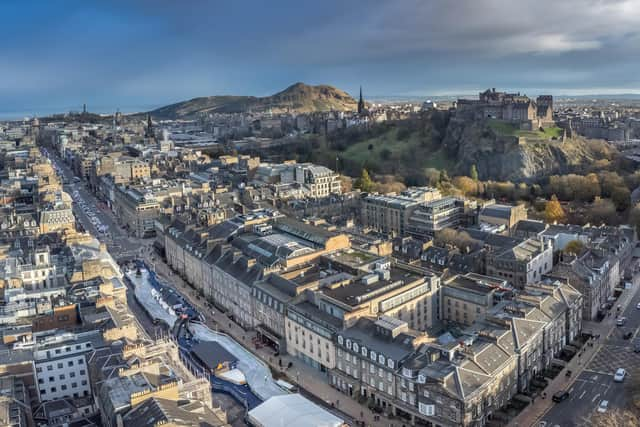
(507, 157)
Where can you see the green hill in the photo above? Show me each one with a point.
(438, 140)
(297, 98)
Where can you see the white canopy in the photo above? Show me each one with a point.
(292, 410)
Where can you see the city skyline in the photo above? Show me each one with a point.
(146, 54)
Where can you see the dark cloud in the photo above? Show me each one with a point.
(146, 52)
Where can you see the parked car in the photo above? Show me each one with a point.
(636, 347)
(621, 321)
(602, 407)
(560, 396)
(619, 375)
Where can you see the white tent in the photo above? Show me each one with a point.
(292, 410)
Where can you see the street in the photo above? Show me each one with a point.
(120, 245)
(595, 383)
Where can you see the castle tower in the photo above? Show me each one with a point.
(360, 103)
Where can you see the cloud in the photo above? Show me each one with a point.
(149, 51)
(493, 28)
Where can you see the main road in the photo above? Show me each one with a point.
(119, 243)
(595, 383)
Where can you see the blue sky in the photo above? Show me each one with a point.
(133, 54)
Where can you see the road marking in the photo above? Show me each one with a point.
(595, 397)
(582, 395)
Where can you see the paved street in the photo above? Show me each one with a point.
(596, 383)
(119, 243)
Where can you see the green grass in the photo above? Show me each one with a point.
(399, 151)
(508, 129)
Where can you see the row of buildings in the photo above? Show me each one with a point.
(72, 352)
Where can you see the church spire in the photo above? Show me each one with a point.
(360, 103)
(149, 127)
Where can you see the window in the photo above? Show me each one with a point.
(70, 363)
(64, 387)
(62, 376)
(82, 372)
(83, 382)
(51, 379)
(60, 365)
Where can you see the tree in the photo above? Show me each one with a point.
(466, 185)
(444, 176)
(574, 247)
(621, 198)
(473, 173)
(364, 183)
(460, 239)
(602, 211)
(385, 154)
(553, 211)
(346, 183)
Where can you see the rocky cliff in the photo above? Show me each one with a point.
(511, 157)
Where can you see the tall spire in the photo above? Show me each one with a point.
(361, 103)
(149, 127)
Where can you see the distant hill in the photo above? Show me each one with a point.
(298, 98)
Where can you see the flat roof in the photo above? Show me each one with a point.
(212, 354)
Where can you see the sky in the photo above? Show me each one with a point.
(138, 54)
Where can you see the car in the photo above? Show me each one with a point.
(636, 347)
(559, 396)
(619, 375)
(638, 306)
(621, 321)
(602, 407)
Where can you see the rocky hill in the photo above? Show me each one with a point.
(437, 140)
(516, 156)
(298, 98)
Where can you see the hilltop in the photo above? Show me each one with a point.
(437, 140)
(297, 98)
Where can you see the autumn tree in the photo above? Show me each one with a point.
(553, 211)
(364, 183)
(346, 183)
(602, 211)
(574, 247)
(460, 239)
(466, 185)
(473, 173)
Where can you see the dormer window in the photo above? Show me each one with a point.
(372, 355)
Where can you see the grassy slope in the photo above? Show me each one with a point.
(400, 151)
(508, 129)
